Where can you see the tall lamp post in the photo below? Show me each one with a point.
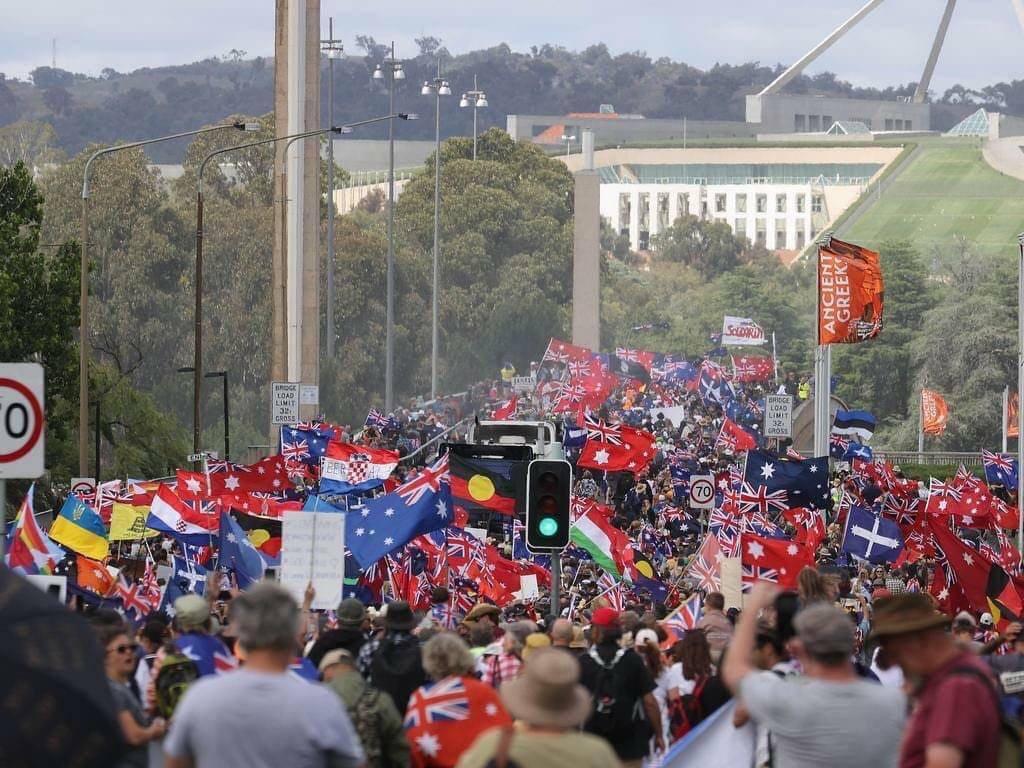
(227, 409)
(393, 68)
(83, 278)
(437, 88)
(478, 100)
(197, 366)
(568, 139)
(334, 50)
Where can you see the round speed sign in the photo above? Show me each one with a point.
(702, 491)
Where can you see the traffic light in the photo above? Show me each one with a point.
(548, 486)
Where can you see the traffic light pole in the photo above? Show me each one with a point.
(556, 584)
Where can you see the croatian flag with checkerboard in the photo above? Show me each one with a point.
(349, 468)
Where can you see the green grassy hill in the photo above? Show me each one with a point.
(947, 190)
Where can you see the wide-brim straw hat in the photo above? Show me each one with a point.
(905, 614)
(547, 691)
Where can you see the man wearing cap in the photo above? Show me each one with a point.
(955, 723)
(549, 705)
(619, 677)
(353, 624)
(193, 638)
(830, 716)
(373, 714)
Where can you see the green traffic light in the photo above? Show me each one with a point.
(548, 526)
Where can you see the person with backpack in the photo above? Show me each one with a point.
(373, 714)
(667, 680)
(625, 712)
(702, 690)
(956, 720)
(445, 716)
(392, 662)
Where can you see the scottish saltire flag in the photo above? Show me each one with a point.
(1000, 469)
(859, 423)
(855, 450)
(378, 526)
(238, 554)
(871, 537)
(29, 550)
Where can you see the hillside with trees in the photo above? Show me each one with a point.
(544, 80)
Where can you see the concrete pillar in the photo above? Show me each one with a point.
(586, 260)
(309, 304)
(634, 218)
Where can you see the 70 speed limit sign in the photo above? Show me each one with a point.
(21, 420)
(702, 491)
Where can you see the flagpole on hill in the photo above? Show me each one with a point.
(920, 429)
(822, 369)
(1020, 389)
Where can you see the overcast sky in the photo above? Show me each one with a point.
(985, 42)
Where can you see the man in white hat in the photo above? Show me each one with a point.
(549, 705)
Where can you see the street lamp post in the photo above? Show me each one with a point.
(392, 66)
(227, 411)
(476, 99)
(197, 367)
(83, 278)
(437, 87)
(568, 139)
(334, 50)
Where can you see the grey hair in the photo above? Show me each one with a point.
(266, 617)
(446, 654)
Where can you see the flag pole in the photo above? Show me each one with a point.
(1020, 389)
(775, 360)
(920, 429)
(822, 368)
(1005, 416)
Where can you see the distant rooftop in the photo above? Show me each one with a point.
(848, 128)
(740, 173)
(975, 124)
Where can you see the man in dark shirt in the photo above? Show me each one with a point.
(350, 635)
(956, 720)
(631, 683)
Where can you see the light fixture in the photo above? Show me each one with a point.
(408, 116)
(463, 102)
(378, 73)
(444, 90)
(482, 100)
(399, 72)
(425, 90)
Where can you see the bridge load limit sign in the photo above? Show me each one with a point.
(284, 402)
(778, 416)
(21, 421)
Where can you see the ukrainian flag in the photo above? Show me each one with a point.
(80, 529)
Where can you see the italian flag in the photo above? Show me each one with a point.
(605, 543)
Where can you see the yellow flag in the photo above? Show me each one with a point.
(129, 523)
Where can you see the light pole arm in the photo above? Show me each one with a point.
(145, 142)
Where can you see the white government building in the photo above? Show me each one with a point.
(778, 197)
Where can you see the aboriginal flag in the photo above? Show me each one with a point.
(487, 485)
(1004, 601)
(263, 532)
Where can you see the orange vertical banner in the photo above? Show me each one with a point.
(1012, 408)
(850, 293)
(934, 412)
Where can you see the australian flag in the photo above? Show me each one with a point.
(238, 554)
(871, 537)
(306, 445)
(805, 482)
(1000, 469)
(383, 524)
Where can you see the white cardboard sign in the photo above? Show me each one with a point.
(313, 549)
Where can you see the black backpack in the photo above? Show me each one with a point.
(397, 670)
(177, 673)
(613, 718)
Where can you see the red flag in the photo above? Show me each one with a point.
(563, 352)
(780, 557)
(735, 438)
(809, 525)
(850, 293)
(633, 455)
(752, 368)
(639, 356)
(507, 410)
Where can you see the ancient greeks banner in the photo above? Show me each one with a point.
(741, 332)
(934, 412)
(850, 293)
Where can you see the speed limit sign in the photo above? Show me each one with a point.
(702, 491)
(21, 420)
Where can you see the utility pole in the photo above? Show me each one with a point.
(334, 50)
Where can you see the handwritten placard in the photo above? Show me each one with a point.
(313, 549)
